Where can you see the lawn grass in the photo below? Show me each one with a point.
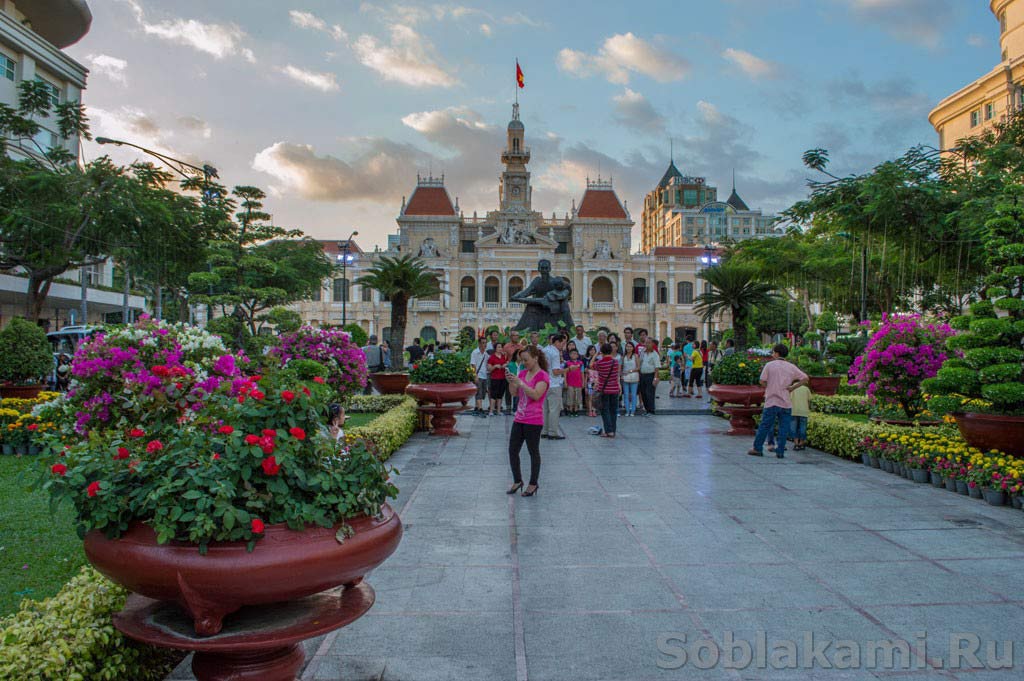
(360, 419)
(39, 551)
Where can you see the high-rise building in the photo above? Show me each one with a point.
(976, 106)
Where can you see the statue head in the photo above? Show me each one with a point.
(544, 267)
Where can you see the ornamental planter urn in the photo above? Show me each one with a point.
(390, 383)
(742, 403)
(993, 431)
(824, 385)
(285, 565)
(432, 398)
(20, 391)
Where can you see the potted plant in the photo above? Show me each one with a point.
(986, 377)
(208, 487)
(331, 347)
(738, 390)
(438, 380)
(25, 359)
(825, 369)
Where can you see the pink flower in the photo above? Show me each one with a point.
(154, 446)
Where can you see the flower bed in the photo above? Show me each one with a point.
(71, 636)
(839, 436)
(840, 404)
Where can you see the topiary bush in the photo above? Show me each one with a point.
(25, 354)
(390, 430)
(359, 336)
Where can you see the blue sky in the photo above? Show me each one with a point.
(334, 106)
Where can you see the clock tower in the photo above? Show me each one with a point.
(514, 190)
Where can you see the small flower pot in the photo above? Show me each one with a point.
(919, 475)
(950, 484)
(962, 488)
(974, 492)
(936, 479)
(875, 462)
(824, 385)
(8, 450)
(34, 450)
(21, 450)
(1017, 501)
(865, 458)
(885, 465)
(995, 497)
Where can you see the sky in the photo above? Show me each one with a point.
(334, 106)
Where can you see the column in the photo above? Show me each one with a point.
(479, 289)
(622, 298)
(447, 286)
(586, 289)
(671, 288)
(503, 297)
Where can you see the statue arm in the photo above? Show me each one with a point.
(522, 296)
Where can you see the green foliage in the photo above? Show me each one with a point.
(442, 368)
(1008, 396)
(71, 637)
(735, 289)
(230, 328)
(779, 316)
(25, 354)
(375, 403)
(739, 369)
(283, 319)
(841, 436)
(980, 358)
(1001, 373)
(359, 337)
(390, 430)
(826, 322)
(840, 404)
(983, 308)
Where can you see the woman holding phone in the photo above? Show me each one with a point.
(531, 385)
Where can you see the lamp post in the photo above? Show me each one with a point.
(344, 257)
(709, 259)
(187, 171)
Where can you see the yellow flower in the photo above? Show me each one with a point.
(440, 361)
(743, 365)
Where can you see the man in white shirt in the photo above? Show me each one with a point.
(650, 362)
(478, 361)
(553, 401)
(581, 340)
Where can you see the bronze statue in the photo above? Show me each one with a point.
(546, 300)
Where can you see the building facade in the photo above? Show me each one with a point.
(974, 108)
(483, 260)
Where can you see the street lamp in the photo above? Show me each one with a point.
(344, 257)
(709, 259)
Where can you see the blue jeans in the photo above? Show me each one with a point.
(769, 417)
(629, 393)
(800, 428)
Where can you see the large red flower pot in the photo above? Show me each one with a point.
(824, 385)
(285, 565)
(390, 383)
(992, 431)
(432, 398)
(746, 395)
(20, 392)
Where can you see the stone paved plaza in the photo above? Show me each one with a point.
(669, 528)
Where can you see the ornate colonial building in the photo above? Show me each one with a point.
(484, 260)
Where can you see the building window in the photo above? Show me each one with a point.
(52, 90)
(1005, 55)
(601, 290)
(428, 334)
(46, 140)
(7, 67)
(515, 285)
(467, 290)
(317, 293)
(366, 294)
(662, 293)
(990, 111)
(340, 291)
(689, 197)
(1002, 23)
(976, 118)
(467, 246)
(684, 292)
(640, 290)
(562, 247)
(492, 290)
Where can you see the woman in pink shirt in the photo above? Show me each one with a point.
(532, 386)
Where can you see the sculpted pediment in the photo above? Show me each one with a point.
(536, 241)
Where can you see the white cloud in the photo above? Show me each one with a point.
(144, 128)
(313, 22)
(408, 59)
(111, 67)
(195, 126)
(325, 82)
(633, 110)
(623, 54)
(977, 40)
(486, 30)
(753, 66)
(917, 21)
(218, 40)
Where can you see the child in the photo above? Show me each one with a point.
(801, 398)
(591, 380)
(574, 382)
(336, 421)
(676, 371)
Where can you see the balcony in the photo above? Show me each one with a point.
(468, 306)
(603, 307)
(492, 306)
(641, 306)
(428, 305)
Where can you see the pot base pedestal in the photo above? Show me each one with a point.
(442, 419)
(741, 419)
(257, 643)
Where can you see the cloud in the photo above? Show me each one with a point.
(138, 126)
(894, 96)
(753, 66)
(486, 30)
(111, 67)
(620, 56)
(325, 82)
(315, 23)
(921, 22)
(635, 111)
(977, 40)
(218, 40)
(408, 59)
(195, 126)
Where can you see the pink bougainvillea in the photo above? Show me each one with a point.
(331, 347)
(903, 352)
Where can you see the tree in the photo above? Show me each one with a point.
(400, 279)
(283, 319)
(781, 316)
(734, 289)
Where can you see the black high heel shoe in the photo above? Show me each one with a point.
(530, 494)
(514, 488)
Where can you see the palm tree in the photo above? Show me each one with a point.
(399, 280)
(737, 290)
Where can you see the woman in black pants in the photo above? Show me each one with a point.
(531, 385)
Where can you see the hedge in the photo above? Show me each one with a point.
(392, 428)
(840, 404)
(71, 637)
(375, 403)
(841, 437)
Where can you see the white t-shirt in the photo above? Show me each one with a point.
(554, 357)
(582, 344)
(478, 360)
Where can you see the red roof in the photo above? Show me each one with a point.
(429, 201)
(685, 251)
(601, 204)
(332, 247)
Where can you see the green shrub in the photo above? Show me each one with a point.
(991, 327)
(448, 368)
(839, 436)
(1001, 373)
(983, 308)
(967, 341)
(359, 336)
(1004, 394)
(71, 637)
(979, 358)
(375, 403)
(952, 379)
(739, 369)
(25, 354)
(961, 322)
(840, 404)
(390, 430)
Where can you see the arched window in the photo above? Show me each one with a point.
(428, 334)
(318, 293)
(662, 293)
(684, 292)
(515, 285)
(467, 290)
(640, 294)
(367, 293)
(492, 290)
(340, 292)
(601, 290)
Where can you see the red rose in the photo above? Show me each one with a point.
(269, 432)
(297, 433)
(415, 366)
(216, 456)
(33, 426)
(160, 370)
(258, 394)
(58, 469)
(241, 399)
(92, 489)
(271, 466)
(154, 446)
(252, 439)
(318, 379)
(267, 445)
(305, 390)
(257, 526)
(287, 396)
(226, 430)
(136, 432)
(132, 464)
(122, 453)
(256, 377)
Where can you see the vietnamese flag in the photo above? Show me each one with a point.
(519, 76)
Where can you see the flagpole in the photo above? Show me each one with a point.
(517, 81)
